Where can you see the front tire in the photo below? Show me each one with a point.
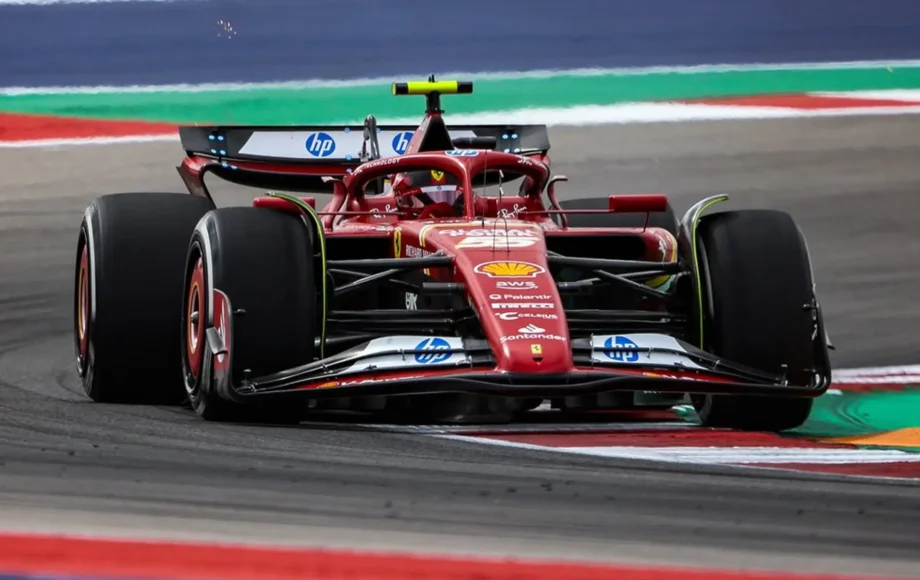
(260, 262)
(760, 312)
(127, 288)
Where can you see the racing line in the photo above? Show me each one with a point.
(67, 465)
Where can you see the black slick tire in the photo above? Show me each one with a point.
(757, 283)
(666, 220)
(127, 289)
(262, 260)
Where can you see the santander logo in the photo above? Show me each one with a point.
(531, 329)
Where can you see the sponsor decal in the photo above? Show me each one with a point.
(642, 348)
(416, 252)
(462, 152)
(523, 305)
(525, 161)
(516, 285)
(348, 383)
(509, 269)
(378, 163)
(497, 241)
(386, 209)
(511, 214)
(401, 142)
(536, 349)
(519, 297)
(390, 353)
(621, 342)
(464, 230)
(435, 350)
(490, 233)
(320, 144)
(437, 176)
(668, 376)
(411, 301)
(519, 315)
(531, 329)
(514, 337)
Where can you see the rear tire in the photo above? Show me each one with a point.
(666, 220)
(757, 281)
(127, 288)
(262, 261)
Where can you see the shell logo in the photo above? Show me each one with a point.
(509, 269)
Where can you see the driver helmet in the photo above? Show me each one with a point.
(438, 186)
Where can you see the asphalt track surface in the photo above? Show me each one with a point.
(70, 465)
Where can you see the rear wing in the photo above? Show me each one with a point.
(341, 144)
(299, 158)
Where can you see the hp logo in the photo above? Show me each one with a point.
(320, 144)
(401, 142)
(437, 350)
(620, 356)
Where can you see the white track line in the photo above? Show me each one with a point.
(88, 141)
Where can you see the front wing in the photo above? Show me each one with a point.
(406, 365)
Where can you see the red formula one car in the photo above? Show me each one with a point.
(443, 281)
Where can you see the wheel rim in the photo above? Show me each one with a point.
(83, 307)
(194, 323)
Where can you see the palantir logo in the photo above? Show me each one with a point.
(320, 144)
(436, 350)
(620, 342)
(401, 142)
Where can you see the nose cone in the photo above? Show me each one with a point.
(507, 278)
(532, 344)
(523, 316)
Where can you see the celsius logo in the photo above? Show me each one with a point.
(436, 350)
(401, 142)
(517, 315)
(615, 349)
(320, 144)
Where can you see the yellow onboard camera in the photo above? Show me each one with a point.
(433, 90)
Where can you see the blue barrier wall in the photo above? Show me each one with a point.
(182, 41)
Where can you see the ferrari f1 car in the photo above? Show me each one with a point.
(444, 280)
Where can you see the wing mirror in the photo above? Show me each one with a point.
(638, 203)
